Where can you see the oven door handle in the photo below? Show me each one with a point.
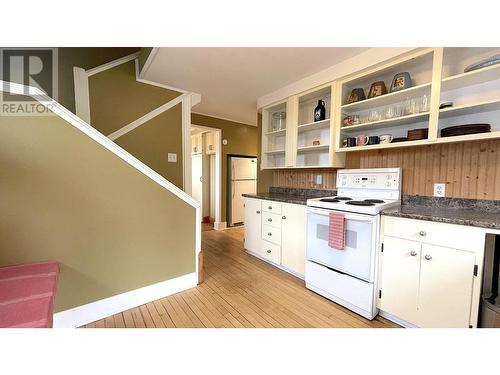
(347, 217)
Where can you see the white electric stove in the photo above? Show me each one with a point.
(348, 276)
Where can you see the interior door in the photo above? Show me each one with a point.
(293, 237)
(237, 201)
(399, 278)
(197, 178)
(446, 281)
(243, 168)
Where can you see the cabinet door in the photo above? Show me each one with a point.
(210, 143)
(446, 280)
(399, 278)
(253, 225)
(293, 237)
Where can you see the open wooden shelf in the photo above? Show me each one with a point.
(469, 109)
(313, 148)
(396, 121)
(476, 77)
(274, 152)
(387, 99)
(277, 132)
(469, 137)
(385, 145)
(323, 124)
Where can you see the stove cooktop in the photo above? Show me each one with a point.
(364, 205)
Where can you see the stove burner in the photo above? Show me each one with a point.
(360, 203)
(330, 200)
(374, 200)
(343, 198)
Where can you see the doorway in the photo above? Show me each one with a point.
(206, 174)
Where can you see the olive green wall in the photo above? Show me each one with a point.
(143, 56)
(86, 58)
(152, 141)
(66, 198)
(265, 177)
(241, 140)
(117, 99)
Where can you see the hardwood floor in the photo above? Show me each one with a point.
(239, 291)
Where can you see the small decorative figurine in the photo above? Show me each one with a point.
(377, 88)
(401, 81)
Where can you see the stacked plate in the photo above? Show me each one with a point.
(416, 134)
(465, 129)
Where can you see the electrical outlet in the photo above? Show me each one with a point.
(172, 157)
(319, 179)
(439, 190)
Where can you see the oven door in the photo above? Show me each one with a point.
(358, 256)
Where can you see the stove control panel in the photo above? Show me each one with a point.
(369, 179)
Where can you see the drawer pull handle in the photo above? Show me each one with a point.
(270, 207)
(428, 257)
(413, 253)
(258, 212)
(270, 220)
(283, 217)
(269, 234)
(269, 251)
(423, 233)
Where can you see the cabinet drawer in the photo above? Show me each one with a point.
(449, 235)
(273, 220)
(271, 252)
(270, 206)
(271, 234)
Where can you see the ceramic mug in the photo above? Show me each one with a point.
(349, 142)
(373, 140)
(361, 140)
(385, 138)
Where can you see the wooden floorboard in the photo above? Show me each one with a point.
(240, 291)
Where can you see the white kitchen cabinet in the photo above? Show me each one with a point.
(446, 280)
(430, 285)
(253, 225)
(197, 143)
(210, 143)
(281, 229)
(400, 278)
(293, 237)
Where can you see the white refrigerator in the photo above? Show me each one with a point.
(242, 180)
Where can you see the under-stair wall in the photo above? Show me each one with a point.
(122, 234)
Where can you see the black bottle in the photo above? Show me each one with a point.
(320, 111)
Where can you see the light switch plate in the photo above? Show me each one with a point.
(172, 157)
(319, 179)
(439, 190)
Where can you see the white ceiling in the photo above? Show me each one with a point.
(231, 79)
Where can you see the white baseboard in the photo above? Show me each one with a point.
(97, 310)
(220, 225)
(395, 319)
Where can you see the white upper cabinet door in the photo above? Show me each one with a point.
(253, 225)
(400, 278)
(446, 280)
(293, 237)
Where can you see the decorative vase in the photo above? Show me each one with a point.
(320, 111)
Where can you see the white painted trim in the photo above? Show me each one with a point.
(366, 59)
(142, 80)
(220, 225)
(112, 64)
(218, 169)
(103, 308)
(186, 145)
(228, 119)
(148, 116)
(82, 101)
(148, 62)
(107, 143)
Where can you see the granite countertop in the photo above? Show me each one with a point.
(292, 195)
(472, 212)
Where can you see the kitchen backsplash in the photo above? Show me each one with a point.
(469, 169)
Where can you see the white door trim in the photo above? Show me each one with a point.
(103, 308)
(218, 225)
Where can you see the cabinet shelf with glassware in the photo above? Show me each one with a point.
(374, 116)
(306, 141)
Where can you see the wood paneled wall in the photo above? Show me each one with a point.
(469, 169)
